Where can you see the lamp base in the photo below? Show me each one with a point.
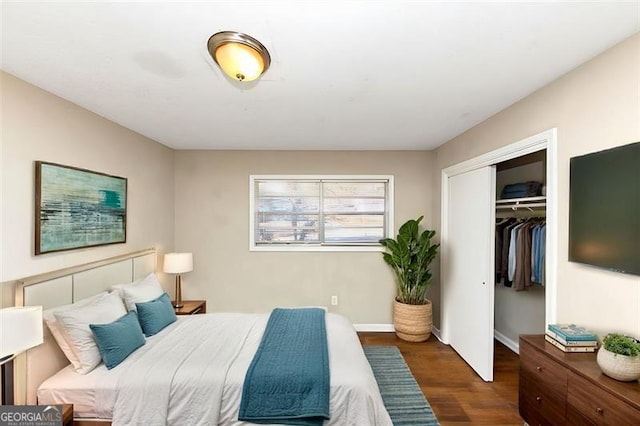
(178, 303)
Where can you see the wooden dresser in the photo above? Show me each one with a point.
(558, 388)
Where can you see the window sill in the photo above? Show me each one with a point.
(300, 248)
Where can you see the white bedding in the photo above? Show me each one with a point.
(192, 373)
(67, 386)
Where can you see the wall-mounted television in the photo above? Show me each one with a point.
(604, 209)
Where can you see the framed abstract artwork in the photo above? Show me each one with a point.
(78, 208)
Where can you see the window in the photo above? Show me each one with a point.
(320, 212)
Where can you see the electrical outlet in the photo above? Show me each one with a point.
(334, 300)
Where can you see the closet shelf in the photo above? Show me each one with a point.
(518, 203)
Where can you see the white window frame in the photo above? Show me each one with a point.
(389, 208)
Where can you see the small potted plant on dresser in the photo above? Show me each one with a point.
(619, 357)
(410, 257)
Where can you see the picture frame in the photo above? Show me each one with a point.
(78, 208)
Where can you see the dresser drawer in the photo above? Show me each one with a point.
(598, 405)
(533, 417)
(574, 418)
(549, 406)
(543, 370)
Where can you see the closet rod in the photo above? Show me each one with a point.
(517, 200)
(519, 206)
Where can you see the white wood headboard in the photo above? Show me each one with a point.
(62, 287)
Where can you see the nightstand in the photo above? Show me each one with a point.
(192, 307)
(67, 414)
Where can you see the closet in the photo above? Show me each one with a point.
(477, 306)
(520, 238)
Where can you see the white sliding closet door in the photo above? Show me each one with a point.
(468, 294)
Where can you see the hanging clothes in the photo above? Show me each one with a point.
(513, 247)
(506, 237)
(537, 253)
(520, 252)
(522, 274)
(501, 224)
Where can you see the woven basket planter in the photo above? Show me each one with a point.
(412, 322)
(620, 367)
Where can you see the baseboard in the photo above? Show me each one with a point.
(387, 328)
(514, 346)
(436, 332)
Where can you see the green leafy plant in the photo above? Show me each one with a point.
(410, 256)
(622, 345)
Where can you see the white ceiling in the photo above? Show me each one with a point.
(344, 74)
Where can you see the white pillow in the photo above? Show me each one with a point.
(118, 287)
(75, 323)
(145, 291)
(58, 332)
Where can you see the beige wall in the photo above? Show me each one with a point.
(212, 221)
(37, 125)
(594, 107)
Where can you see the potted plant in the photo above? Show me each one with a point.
(410, 256)
(619, 357)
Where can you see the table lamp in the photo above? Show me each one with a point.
(177, 263)
(21, 329)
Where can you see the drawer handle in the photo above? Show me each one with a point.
(539, 398)
(600, 411)
(539, 368)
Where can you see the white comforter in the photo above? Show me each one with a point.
(192, 374)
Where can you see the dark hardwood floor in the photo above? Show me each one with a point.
(456, 393)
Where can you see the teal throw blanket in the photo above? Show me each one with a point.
(288, 379)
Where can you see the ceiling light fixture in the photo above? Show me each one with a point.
(240, 56)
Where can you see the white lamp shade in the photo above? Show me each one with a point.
(177, 263)
(21, 329)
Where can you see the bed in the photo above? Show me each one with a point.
(191, 372)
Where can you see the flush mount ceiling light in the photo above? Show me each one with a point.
(240, 56)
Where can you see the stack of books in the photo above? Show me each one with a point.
(571, 338)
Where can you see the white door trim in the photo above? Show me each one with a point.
(544, 140)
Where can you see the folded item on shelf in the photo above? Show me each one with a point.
(521, 190)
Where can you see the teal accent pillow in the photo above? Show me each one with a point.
(155, 315)
(117, 340)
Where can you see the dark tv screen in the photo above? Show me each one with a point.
(604, 209)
